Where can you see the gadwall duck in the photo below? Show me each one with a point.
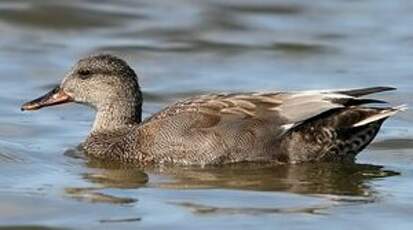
(279, 127)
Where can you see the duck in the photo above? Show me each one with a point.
(278, 127)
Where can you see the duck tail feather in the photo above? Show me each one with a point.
(381, 115)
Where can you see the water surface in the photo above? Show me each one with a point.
(181, 48)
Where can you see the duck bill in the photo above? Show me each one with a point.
(54, 97)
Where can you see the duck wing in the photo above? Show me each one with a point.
(283, 109)
(364, 91)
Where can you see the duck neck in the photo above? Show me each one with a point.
(111, 116)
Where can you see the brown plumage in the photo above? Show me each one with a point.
(279, 127)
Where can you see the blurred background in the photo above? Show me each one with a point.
(181, 48)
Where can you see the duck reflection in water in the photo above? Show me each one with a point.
(334, 181)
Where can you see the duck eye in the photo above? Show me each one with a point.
(84, 74)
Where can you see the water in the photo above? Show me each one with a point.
(181, 48)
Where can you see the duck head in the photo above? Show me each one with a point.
(104, 82)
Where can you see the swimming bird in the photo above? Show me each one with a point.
(215, 129)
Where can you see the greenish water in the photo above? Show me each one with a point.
(181, 48)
